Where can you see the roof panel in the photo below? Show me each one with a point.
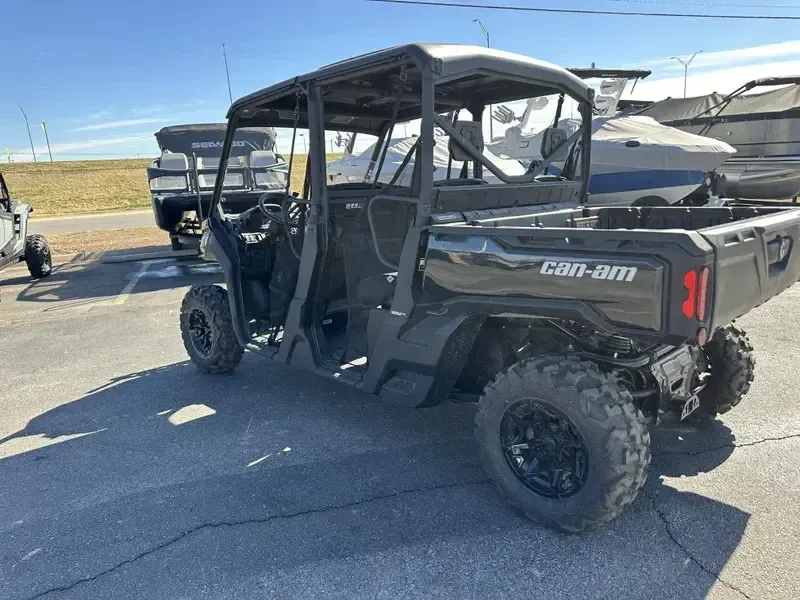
(445, 62)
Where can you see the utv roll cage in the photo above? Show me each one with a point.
(369, 94)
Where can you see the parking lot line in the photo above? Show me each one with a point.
(126, 291)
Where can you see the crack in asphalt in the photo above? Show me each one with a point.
(256, 521)
(668, 528)
(728, 445)
(267, 519)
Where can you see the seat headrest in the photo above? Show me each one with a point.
(262, 158)
(208, 162)
(174, 161)
(472, 131)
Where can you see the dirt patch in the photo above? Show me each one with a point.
(141, 239)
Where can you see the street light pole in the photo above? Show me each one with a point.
(486, 35)
(46, 137)
(227, 75)
(685, 68)
(29, 132)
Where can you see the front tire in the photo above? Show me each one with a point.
(207, 330)
(37, 256)
(589, 441)
(732, 370)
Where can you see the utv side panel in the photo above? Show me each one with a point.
(627, 289)
(624, 269)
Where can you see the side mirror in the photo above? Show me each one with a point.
(552, 138)
(538, 103)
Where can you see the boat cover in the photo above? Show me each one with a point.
(207, 139)
(631, 143)
(770, 104)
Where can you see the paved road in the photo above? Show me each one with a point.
(126, 474)
(80, 223)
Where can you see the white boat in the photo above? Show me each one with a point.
(352, 168)
(634, 159)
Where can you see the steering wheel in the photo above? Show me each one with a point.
(272, 211)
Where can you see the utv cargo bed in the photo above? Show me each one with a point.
(673, 273)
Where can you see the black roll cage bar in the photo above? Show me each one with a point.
(426, 131)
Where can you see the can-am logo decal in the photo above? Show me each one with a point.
(576, 269)
(196, 145)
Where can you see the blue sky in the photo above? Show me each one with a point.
(106, 75)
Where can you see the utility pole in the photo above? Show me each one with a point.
(227, 74)
(29, 132)
(486, 35)
(685, 68)
(44, 128)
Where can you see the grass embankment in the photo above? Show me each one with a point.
(83, 187)
(79, 187)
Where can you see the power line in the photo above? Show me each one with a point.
(695, 3)
(579, 11)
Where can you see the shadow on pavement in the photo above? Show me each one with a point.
(169, 483)
(73, 283)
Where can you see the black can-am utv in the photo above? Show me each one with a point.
(573, 327)
(15, 243)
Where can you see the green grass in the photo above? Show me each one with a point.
(82, 187)
(65, 188)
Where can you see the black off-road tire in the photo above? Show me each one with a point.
(224, 352)
(37, 256)
(175, 243)
(601, 409)
(732, 370)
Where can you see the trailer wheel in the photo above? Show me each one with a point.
(563, 441)
(730, 354)
(37, 256)
(207, 329)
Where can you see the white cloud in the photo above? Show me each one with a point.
(148, 110)
(117, 124)
(724, 80)
(69, 147)
(733, 57)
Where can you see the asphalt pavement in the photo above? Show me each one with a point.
(79, 223)
(125, 473)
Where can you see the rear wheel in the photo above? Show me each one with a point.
(207, 330)
(563, 441)
(37, 256)
(730, 357)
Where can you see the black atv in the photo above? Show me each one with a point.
(15, 244)
(574, 327)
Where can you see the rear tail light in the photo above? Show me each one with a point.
(694, 306)
(690, 283)
(702, 293)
